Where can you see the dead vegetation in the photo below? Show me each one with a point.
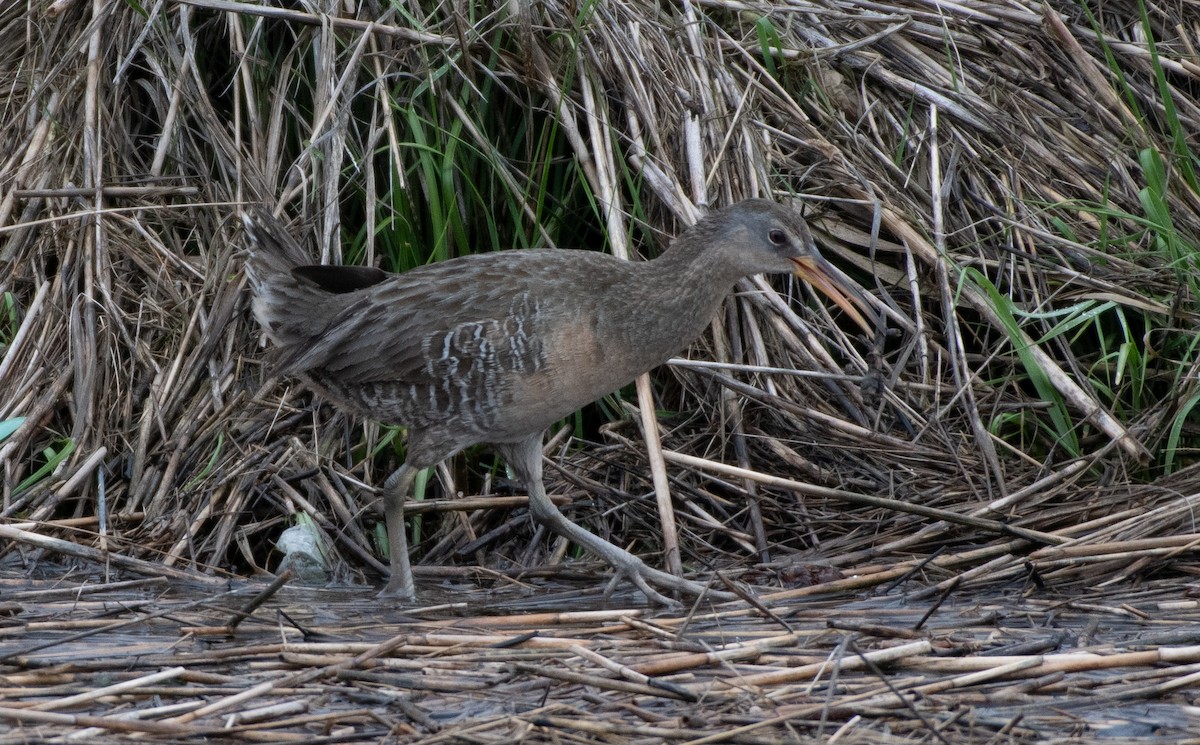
(1016, 183)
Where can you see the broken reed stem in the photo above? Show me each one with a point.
(102, 558)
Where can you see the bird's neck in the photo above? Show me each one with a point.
(674, 300)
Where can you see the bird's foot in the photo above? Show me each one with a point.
(649, 581)
(654, 596)
(398, 588)
(645, 577)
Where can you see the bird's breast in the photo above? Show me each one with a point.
(577, 367)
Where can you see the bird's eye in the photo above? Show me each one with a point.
(776, 237)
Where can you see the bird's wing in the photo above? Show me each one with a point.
(420, 327)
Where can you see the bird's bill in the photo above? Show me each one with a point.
(819, 274)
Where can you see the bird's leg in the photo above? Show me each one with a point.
(526, 459)
(395, 491)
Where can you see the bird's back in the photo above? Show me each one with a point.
(487, 347)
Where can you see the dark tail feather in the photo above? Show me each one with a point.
(284, 303)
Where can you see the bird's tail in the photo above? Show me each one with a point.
(285, 305)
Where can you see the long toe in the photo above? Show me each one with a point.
(646, 578)
(684, 586)
(397, 589)
(653, 596)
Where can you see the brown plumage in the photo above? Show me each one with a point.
(496, 347)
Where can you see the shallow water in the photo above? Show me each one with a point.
(450, 661)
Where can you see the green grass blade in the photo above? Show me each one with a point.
(53, 459)
(1176, 433)
(8, 426)
(1060, 419)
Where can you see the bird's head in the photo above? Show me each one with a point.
(758, 236)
